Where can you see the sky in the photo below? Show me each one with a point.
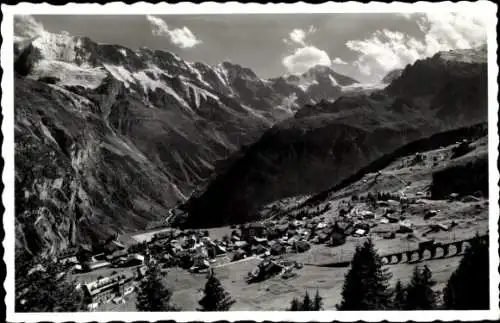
(365, 46)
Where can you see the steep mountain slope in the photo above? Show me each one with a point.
(331, 141)
(117, 136)
(392, 75)
(76, 178)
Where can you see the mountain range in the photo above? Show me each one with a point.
(109, 139)
(325, 143)
(116, 137)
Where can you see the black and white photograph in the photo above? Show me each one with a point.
(232, 158)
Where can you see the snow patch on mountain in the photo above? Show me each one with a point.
(69, 74)
(222, 74)
(304, 84)
(256, 114)
(333, 80)
(363, 87)
(120, 73)
(198, 93)
(123, 52)
(194, 70)
(142, 79)
(289, 104)
(61, 47)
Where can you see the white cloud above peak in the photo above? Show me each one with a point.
(386, 50)
(304, 58)
(181, 37)
(307, 55)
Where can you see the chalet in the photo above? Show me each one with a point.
(360, 232)
(367, 214)
(94, 265)
(213, 248)
(258, 240)
(135, 260)
(105, 289)
(116, 255)
(99, 256)
(113, 246)
(239, 254)
(240, 244)
(321, 225)
(68, 258)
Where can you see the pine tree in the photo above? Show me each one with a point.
(318, 302)
(399, 296)
(38, 288)
(294, 305)
(419, 293)
(366, 285)
(215, 298)
(468, 287)
(152, 295)
(307, 304)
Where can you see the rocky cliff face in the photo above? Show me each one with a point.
(109, 138)
(327, 142)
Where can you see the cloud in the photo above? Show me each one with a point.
(386, 50)
(304, 58)
(298, 36)
(25, 26)
(338, 60)
(182, 37)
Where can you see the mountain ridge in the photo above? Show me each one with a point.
(408, 109)
(151, 120)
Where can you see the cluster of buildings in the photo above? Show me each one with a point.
(104, 290)
(190, 250)
(113, 255)
(115, 286)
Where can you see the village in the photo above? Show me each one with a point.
(403, 218)
(111, 275)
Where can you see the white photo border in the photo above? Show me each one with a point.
(489, 11)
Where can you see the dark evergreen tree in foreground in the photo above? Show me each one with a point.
(419, 293)
(152, 295)
(295, 305)
(468, 287)
(39, 288)
(215, 298)
(307, 304)
(399, 296)
(366, 285)
(318, 302)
